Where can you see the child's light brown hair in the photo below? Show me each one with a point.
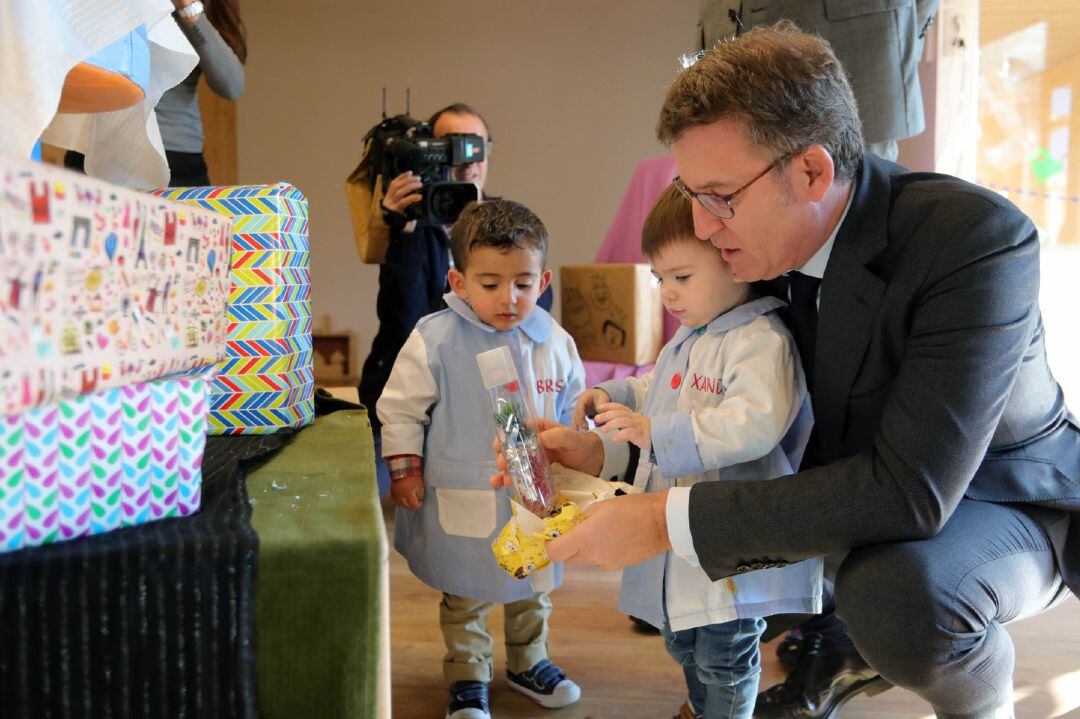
(669, 221)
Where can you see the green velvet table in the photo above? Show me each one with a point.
(322, 595)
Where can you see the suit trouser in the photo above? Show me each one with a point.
(928, 614)
(469, 644)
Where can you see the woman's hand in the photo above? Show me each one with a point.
(586, 406)
(583, 451)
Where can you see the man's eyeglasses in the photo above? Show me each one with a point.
(720, 205)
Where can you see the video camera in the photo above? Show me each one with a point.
(402, 144)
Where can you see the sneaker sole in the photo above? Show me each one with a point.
(548, 701)
(474, 714)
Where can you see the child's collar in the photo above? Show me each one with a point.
(735, 317)
(537, 326)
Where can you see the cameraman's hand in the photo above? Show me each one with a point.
(404, 190)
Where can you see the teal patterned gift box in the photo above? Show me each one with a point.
(135, 441)
(106, 462)
(12, 510)
(111, 459)
(41, 462)
(75, 469)
(164, 448)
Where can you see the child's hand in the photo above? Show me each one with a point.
(586, 406)
(406, 480)
(408, 492)
(631, 426)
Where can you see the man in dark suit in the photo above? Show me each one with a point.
(943, 462)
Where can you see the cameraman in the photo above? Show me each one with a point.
(412, 279)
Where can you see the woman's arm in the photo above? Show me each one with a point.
(217, 61)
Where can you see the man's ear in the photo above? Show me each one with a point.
(457, 283)
(814, 173)
(545, 280)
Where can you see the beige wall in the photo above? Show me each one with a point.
(571, 90)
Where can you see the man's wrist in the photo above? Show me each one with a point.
(659, 517)
(596, 463)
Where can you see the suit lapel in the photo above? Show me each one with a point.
(850, 297)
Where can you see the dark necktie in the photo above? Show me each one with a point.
(803, 292)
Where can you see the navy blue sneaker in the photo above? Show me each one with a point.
(546, 685)
(468, 700)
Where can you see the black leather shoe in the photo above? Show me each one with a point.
(825, 676)
(643, 627)
(787, 651)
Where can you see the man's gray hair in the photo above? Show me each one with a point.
(785, 86)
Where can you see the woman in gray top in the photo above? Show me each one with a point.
(214, 29)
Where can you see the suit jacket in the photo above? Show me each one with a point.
(879, 42)
(931, 384)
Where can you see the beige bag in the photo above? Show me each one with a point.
(365, 206)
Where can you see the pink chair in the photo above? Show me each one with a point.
(623, 244)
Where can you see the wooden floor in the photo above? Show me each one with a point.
(629, 675)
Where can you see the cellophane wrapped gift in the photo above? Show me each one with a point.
(94, 463)
(267, 381)
(102, 287)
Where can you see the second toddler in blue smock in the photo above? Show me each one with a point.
(437, 431)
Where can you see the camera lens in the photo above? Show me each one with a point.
(446, 200)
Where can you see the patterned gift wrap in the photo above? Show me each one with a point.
(164, 448)
(106, 464)
(12, 514)
(76, 438)
(191, 433)
(262, 401)
(265, 383)
(92, 464)
(101, 286)
(41, 462)
(135, 439)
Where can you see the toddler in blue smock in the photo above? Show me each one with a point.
(725, 401)
(437, 430)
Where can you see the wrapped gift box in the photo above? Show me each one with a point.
(266, 381)
(91, 464)
(101, 286)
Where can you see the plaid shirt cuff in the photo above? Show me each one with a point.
(404, 465)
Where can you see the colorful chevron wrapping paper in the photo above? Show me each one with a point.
(101, 286)
(266, 381)
(92, 464)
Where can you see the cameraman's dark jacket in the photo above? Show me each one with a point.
(412, 281)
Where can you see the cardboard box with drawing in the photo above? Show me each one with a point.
(613, 312)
